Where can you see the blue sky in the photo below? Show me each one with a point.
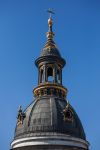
(23, 24)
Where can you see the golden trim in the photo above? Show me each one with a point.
(50, 86)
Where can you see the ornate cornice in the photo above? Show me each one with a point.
(51, 89)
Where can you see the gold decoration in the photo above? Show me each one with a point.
(50, 89)
(50, 22)
(48, 85)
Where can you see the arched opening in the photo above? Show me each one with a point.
(50, 74)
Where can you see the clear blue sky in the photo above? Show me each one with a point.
(23, 24)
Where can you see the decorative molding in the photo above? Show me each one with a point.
(50, 140)
(53, 91)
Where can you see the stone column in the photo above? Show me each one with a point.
(55, 74)
(60, 78)
(38, 76)
(45, 74)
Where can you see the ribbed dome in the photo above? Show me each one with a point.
(49, 122)
(46, 115)
(50, 49)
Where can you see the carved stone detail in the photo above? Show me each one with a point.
(68, 114)
(20, 117)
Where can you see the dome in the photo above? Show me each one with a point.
(50, 49)
(49, 122)
(46, 115)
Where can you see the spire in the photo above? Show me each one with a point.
(50, 33)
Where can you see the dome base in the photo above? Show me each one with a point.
(49, 141)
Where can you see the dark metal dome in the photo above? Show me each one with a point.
(46, 115)
(50, 49)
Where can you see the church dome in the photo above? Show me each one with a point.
(49, 122)
(47, 115)
(50, 49)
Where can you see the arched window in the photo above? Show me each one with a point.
(50, 74)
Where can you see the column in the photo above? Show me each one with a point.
(60, 76)
(45, 74)
(38, 76)
(54, 74)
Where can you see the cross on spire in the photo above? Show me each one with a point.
(50, 11)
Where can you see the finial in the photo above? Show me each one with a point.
(20, 116)
(50, 34)
(20, 108)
